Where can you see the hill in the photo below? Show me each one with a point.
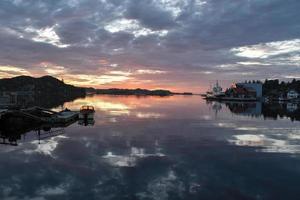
(46, 91)
(138, 92)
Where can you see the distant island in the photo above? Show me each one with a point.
(49, 91)
(137, 92)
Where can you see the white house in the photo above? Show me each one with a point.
(292, 94)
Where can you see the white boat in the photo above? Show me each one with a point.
(86, 112)
(215, 92)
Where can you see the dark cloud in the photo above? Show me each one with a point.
(77, 32)
(199, 36)
(149, 14)
(229, 23)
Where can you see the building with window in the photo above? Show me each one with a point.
(255, 87)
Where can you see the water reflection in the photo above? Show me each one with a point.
(86, 122)
(130, 160)
(14, 129)
(160, 148)
(270, 142)
(257, 109)
(265, 138)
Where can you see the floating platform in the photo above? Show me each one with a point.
(41, 115)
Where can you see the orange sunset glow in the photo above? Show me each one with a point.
(149, 99)
(177, 49)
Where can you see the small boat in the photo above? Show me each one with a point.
(86, 112)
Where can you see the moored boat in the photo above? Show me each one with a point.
(237, 92)
(215, 92)
(87, 112)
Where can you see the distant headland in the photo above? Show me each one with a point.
(48, 85)
(136, 92)
(45, 91)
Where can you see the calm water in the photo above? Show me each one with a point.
(158, 148)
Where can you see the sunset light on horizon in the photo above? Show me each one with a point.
(149, 99)
(177, 45)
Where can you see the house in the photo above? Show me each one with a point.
(240, 91)
(253, 87)
(292, 94)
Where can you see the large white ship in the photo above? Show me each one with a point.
(215, 92)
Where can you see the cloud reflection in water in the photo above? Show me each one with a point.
(129, 160)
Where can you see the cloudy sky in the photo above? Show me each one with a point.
(182, 45)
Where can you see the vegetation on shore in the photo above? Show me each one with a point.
(275, 88)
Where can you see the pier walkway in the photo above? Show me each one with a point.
(40, 115)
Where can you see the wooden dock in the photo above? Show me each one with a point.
(41, 115)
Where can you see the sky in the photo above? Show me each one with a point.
(181, 45)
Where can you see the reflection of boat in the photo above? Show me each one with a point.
(88, 122)
(217, 106)
(86, 112)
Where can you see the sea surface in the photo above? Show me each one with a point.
(157, 148)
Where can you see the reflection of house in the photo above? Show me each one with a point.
(253, 108)
(292, 94)
(291, 107)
